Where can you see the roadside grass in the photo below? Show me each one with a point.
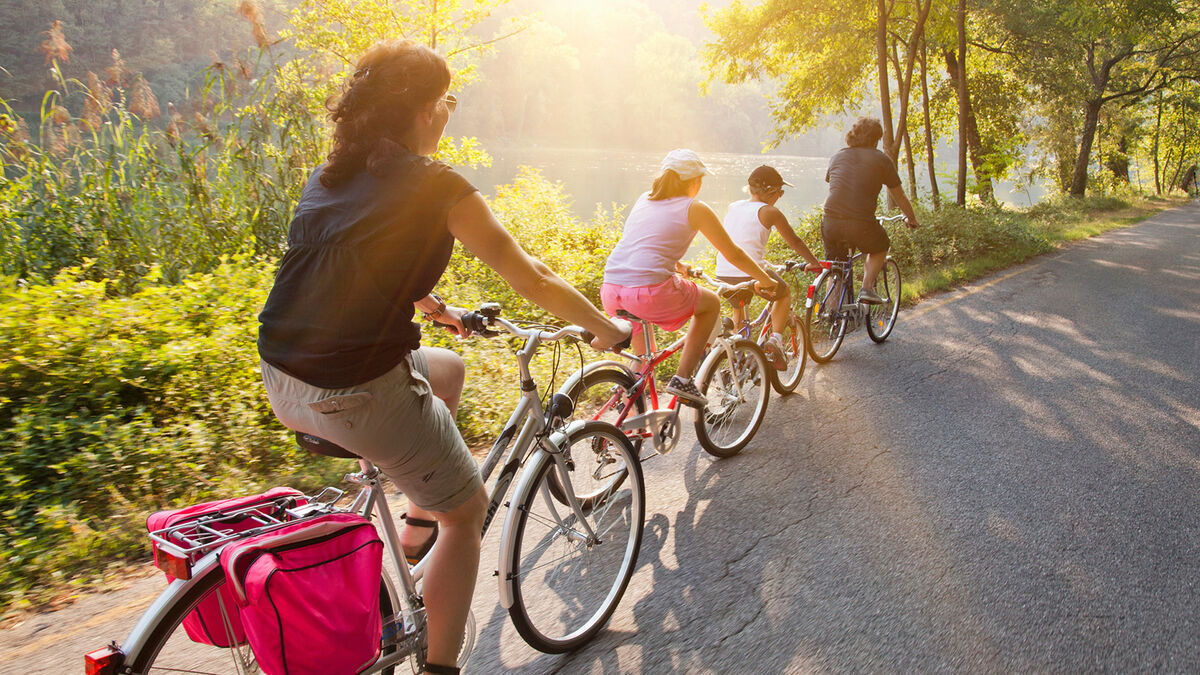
(1090, 222)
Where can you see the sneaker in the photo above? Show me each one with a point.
(774, 352)
(869, 297)
(686, 391)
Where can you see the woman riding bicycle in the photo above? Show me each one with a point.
(640, 273)
(855, 175)
(341, 358)
(749, 223)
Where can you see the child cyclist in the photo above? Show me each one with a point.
(640, 273)
(749, 223)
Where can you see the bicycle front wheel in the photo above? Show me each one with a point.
(882, 318)
(824, 321)
(736, 382)
(169, 649)
(795, 355)
(568, 578)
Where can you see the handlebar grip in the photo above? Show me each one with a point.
(476, 323)
(588, 336)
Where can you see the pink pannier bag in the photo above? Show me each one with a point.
(309, 595)
(204, 624)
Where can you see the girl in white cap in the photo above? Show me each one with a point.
(640, 275)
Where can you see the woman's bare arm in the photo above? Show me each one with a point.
(472, 223)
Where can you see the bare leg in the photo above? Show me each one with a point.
(875, 263)
(708, 311)
(450, 577)
(782, 309)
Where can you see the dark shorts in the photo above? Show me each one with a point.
(841, 235)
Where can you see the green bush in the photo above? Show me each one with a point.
(113, 406)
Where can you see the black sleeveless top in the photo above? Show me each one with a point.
(340, 312)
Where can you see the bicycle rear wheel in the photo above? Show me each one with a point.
(600, 395)
(168, 649)
(566, 584)
(737, 390)
(795, 354)
(824, 321)
(882, 318)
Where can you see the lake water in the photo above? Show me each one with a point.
(616, 177)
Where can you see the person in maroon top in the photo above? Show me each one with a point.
(341, 357)
(855, 175)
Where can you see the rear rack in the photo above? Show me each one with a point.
(194, 539)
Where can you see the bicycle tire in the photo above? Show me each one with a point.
(589, 394)
(168, 649)
(726, 424)
(825, 323)
(795, 354)
(549, 615)
(882, 318)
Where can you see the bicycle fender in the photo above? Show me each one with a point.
(164, 603)
(575, 379)
(808, 298)
(525, 483)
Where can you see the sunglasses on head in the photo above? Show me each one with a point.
(451, 102)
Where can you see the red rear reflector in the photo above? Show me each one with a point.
(104, 661)
(826, 264)
(180, 568)
(810, 292)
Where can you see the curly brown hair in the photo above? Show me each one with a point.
(865, 133)
(390, 84)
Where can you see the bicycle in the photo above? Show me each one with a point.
(569, 543)
(832, 311)
(732, 377)
(795, 337)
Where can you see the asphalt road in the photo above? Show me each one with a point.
(1010, 483)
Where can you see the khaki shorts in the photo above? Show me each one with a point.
(394, 421)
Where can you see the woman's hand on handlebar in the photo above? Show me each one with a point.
(451, 320)
(618, 336)
(911, 222)
(813, 267)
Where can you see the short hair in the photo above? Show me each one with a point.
(864, 133)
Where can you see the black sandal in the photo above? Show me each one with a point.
(414, 558)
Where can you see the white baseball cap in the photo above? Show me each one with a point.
(684, 162)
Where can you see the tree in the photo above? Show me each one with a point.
(1088, 53)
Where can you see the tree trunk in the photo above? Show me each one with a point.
(974, 141)
(1086, 138)
(963, 104)
(933, 185)
(885, 93)
(912, 167)
(1157, 132)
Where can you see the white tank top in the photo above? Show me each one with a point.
(748, 232)
(655, 237)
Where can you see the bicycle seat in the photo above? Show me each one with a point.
(320, 446)
(739, 296)
(628, 315)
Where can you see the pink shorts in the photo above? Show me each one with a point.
(667, 305)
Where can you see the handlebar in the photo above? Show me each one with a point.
(487, 317)
(731, 288)
(891, 219)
